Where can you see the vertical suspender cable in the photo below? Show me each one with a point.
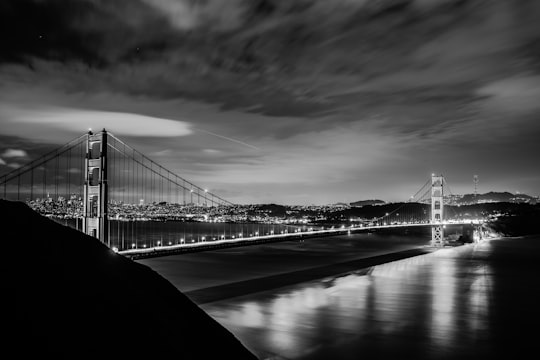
(32, 184)
(56, 166)
(18, 187)
(69, 175)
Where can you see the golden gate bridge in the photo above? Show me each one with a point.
(100, 185)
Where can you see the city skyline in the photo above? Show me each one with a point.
(265, 102)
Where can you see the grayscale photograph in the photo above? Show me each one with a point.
(270, 179)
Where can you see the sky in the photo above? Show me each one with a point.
(283, 101)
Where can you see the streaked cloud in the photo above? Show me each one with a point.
(211, 151)
(80, 120)
(285, 100)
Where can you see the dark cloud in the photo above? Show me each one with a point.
(94, 32)
(275, 57)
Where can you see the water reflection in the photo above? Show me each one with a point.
(421, 304)
(443, 283)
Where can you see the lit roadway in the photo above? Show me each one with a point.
(223, 242)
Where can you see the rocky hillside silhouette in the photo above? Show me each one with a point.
(69, 296)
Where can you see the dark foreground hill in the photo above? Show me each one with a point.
(66, 295)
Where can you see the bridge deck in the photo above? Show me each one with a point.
(165, 250)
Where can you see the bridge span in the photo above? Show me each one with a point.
(98, 180)
(185, 247)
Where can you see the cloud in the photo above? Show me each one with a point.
(14, 153)
(79, 121)
(517, 94)
(211, 151)
(166, 152)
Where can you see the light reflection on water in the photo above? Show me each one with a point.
(430, 305)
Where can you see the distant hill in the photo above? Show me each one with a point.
(68, 296)
(495, 197)
(367, 202)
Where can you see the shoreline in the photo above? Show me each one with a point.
(250, 286)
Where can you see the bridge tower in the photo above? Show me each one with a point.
(437, 205)
(95, 214)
